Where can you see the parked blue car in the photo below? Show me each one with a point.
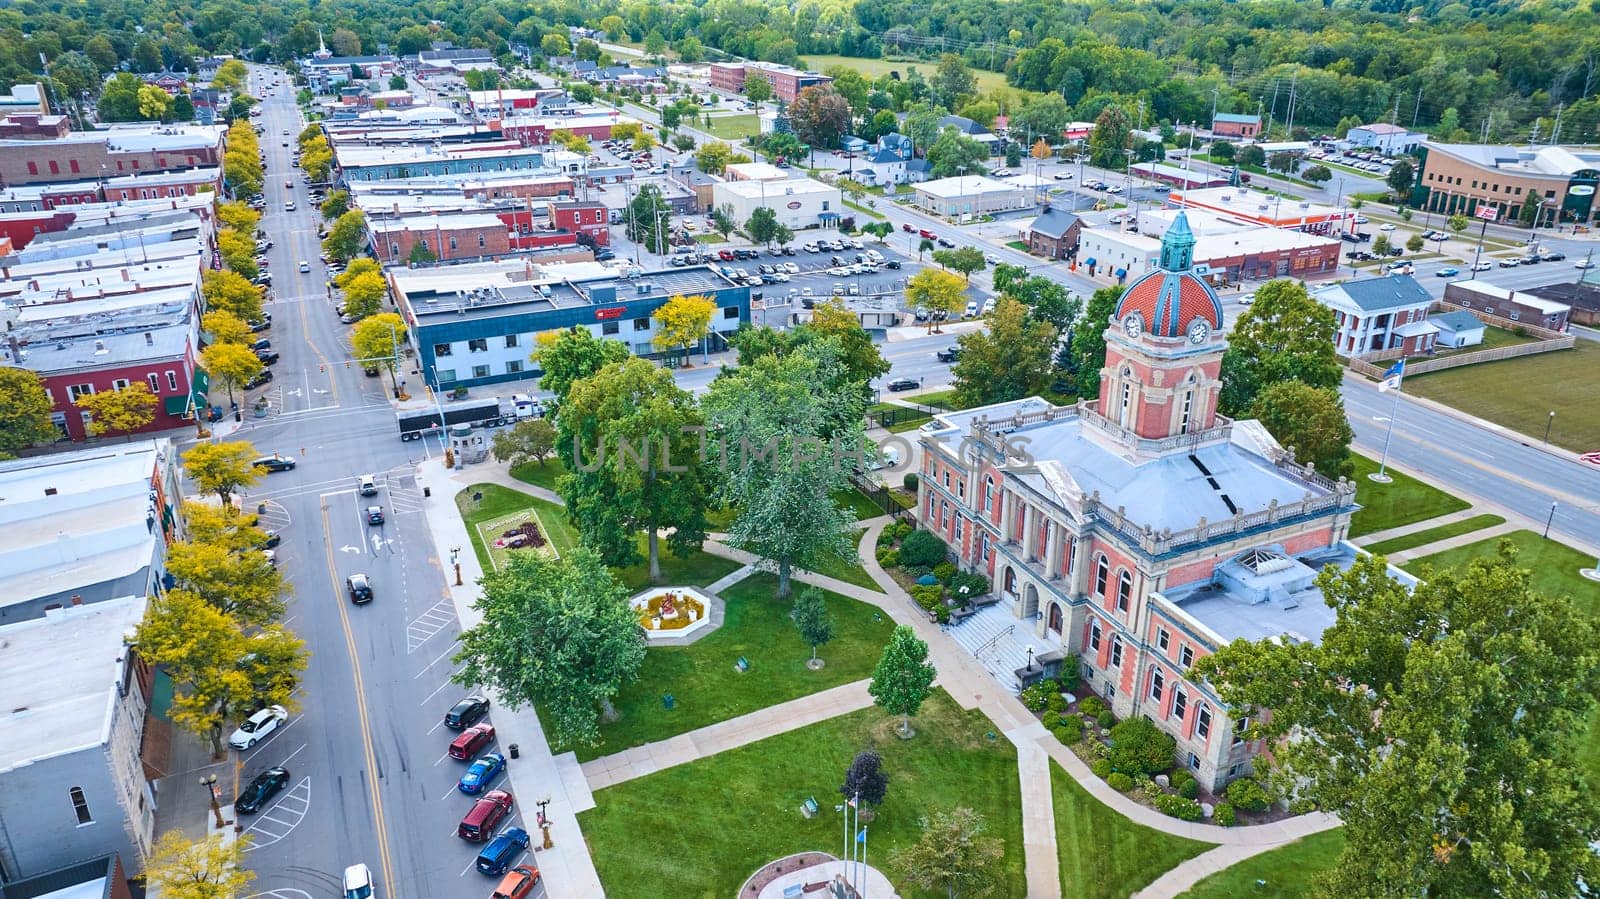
(504, 849)
(482, 772)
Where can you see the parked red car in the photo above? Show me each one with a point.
(907, 228)
(725, 255)
(471, 740)
(484, 816)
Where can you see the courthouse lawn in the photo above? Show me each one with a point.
(1404, 501)
(872, 68)
(1102, 854)
(1520, 394)
(1287, 872)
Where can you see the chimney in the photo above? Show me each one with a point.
(149, 339)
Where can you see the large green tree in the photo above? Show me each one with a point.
(954, 153)
(1285, 336)
(784, 454)
(904, 677)
(1310, 419)
(630, 438)
(558, 634)
(820, 116)
(347, 236)
(1011, 360)
(569, 356)
(1088, 346)
(1440, 724)
(1112, 135)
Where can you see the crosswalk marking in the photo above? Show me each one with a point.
(429, 623)
(293, 806)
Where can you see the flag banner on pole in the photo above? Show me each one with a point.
(1486, 212)
(1392, 377)
(862, 836)
(851, 802)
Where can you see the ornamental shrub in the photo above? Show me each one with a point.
(1120, 782)
(1178, 807)
(903, 529)
(1101, 768)
(1054, 701)
(886, 537)
(1245, 793)
(944, 571)
(888, 557)
(1137, 745)
(1068, 679)
(1223, 815)
(1189, 789)
(909, 481)
(912, 571)
(1105, 719)
(1036, 697)
(923, 548)
(1070, 730)
(1091, 706)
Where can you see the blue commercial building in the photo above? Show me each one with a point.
(478, 323)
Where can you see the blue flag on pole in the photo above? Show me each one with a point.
(862, 836)
(1392, 377)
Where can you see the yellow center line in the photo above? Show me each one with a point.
(361, 710)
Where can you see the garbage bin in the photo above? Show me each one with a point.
(516, 753)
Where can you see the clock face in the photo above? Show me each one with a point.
(1133, 324)
(1198, 332)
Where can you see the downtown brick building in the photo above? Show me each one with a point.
(109, 153)
(1133, 534)
(787, 82)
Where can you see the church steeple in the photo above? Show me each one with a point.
(322, 48)
(1177, 245)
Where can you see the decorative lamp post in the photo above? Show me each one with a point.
(209, 781)
(455, 560)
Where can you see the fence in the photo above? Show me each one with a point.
(891, 414)
(880, 496)
(1545, 341)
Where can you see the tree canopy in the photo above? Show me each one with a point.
(1284, 336)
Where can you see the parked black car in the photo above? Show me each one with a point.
(262, 344)
(258, 380)
(467, 712)
(258, 791)
(267, 357)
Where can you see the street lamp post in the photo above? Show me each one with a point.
(1547, 423)
(455, 560)
(209, 781)
(1549, 521)
(544, 823)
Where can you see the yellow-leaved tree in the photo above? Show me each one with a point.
(225, 327)
(222, 468)
(209, 868)
(683, 320)
(233, 293)
(118, 411)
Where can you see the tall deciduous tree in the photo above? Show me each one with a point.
(363, 294)
(954, 854)
(238, 252)
(377, 342)
(1009, 361)
(683, 321)
(952, 81)
(954, 153)
(222, 526)
(1047, 300)
(118, 411)
(631, 441)
(347, 236)
(904, 677)
(757, 89)
(1089, 342)
(1438, 723)
(232, 293)
(713, 156)
(238, 582)
(573, 618)
(532, 440)
(24, 411)
(762, 224)
(1310, 419)
(232, 364)
(225, 327)
(965, 260)
(781, 463)
(222, 468)
(208, 868)
(1285, 336)
(337, 204)
(820, 116)
(649, 218)
(238, 216)
(1400, 177)
(811, 618)
(1111, 135)
(569, 356)
(865, 780)
(722, 219)
(934, 291)
(217, 671)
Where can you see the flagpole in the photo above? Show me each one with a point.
(863, 863)
(1381, 476)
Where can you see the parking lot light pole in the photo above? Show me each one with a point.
(1548, 422)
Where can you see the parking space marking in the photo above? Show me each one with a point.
(437, 659)
(281, 893)
(448, 682)
(427, 625)
(294, 805)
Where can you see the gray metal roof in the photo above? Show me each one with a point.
(1054, 223)
(1456, 321)
(1379, 294)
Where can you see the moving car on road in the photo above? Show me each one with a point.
(258, 791)
(360, 588)
(257, 726)
(1448, 271)
(275, 463)
(374, 515)
(899, 384)
(948, 354)
(357, 882)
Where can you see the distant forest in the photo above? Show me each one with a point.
(1509, 71)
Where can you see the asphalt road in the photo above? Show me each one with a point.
(370, 779)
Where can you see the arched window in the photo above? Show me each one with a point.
(1072, 553)
(1124, 590)
(1102, 570)
(988, 493)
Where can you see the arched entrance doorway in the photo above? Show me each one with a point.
(1030, 602)
(1055, 617)
(1011, 581)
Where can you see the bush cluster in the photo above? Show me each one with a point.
(1068, 678)
(976, 584)
(910, 481)
(1189, 789)
(1178, 807)
(1138, 746)
(1101, 768)
(1091, 706)
(888, 557)
(1245, 793)
(923, 548)
(1068, 730)
(1037, 696)
(1223, 815)
(1120, 782)
(1055, 702)
(903, 529)
(1105, 719)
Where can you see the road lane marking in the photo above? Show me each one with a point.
(430, 624)
(300, 793)
(375, 792)
(448, 682)
(437, 659)
(291, 755)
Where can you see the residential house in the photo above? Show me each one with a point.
(1054, 234)
(1375, 315)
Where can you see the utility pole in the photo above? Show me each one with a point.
(1415, 113)
(1215, 92)
(1289, 125)
(1555, 132)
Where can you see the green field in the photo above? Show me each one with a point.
(1287, 872)
(872, 68)
(849, 570)
(1404, 501)
(738, 810)
(732, 127)
(1554, 568)
(540, 474)
(1434, 535)
(1104, 855)
(705, 685)
(1520, 394)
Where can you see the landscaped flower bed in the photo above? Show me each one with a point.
(918, 561)
(525, 534)
(1137, 758)
(669, 611)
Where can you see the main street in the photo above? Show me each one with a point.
(370, 781)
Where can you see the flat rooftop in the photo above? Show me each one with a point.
(54, 708)
(1244, 202)
(965, 186)
(512, 287)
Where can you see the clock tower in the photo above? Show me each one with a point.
(1164, 349)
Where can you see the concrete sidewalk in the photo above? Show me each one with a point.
(567, 867)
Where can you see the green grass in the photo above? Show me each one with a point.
(858, 503)
(745, 803)
(699, 569)
(702, 679)
(1434, 535)
(1404, 501)
(732, 127)
(1288, 871)
(1520, 394)
(1493, 338)
(1018, 245)
(540, 474)
(710, 238)
(864, 210)
(1104, 855)
(1554, 567)
(872, 68)
(851, 571)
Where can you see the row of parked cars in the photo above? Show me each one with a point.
(492, 806)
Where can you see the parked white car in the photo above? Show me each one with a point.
(258, 726)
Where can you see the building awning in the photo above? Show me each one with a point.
(1089, 261)
(1122, 273)
(185, 405)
